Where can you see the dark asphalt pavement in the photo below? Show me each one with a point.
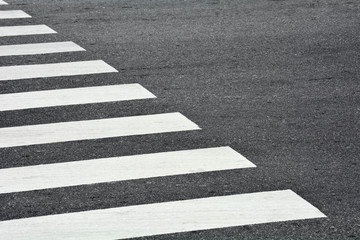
(277, 80)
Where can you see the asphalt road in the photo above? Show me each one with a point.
(277, 80)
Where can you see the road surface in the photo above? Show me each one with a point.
(179, 119)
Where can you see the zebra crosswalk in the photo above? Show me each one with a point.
(120, 169)
(10, 14)
(72, 96)
(94, 129)
(39, 48)
(163, 218)
(54, 70)
(118, 222)
(8, 31)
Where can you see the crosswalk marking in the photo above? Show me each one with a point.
(164, 218)
(123, 222)
(120, 168)
(39, 48)
(25, 30)
(72, 96)
(54, 70)
(10, 14)
(94, 129)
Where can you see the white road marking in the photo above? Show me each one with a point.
(94, 129)
(164, 218)
(10, 14)
(39, 48)
(54, 70)
(120, 169)
(73, 96)
(3, 3)
(25, 30)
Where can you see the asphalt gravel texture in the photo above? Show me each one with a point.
(277, 80)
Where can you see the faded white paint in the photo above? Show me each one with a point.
(39, 48)
(120, 168)
(10, 14)
(72, 96)
(94, 129)
(25, 30)
(54, 70)
(163, 218)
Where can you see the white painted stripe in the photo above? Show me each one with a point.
(164, 218)
(54, 70)
(39, 48)
(25, 30)
(10, 14)
(72, 96)
(120, 169)
(94, 129)
(3, 3)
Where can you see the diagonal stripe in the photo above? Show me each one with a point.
(3, 3)
(94, 129)
(54, 70)
(120, 169)
(25, 30)
(72, 96)
(164, 218)
(39, 48)
(10, 14)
